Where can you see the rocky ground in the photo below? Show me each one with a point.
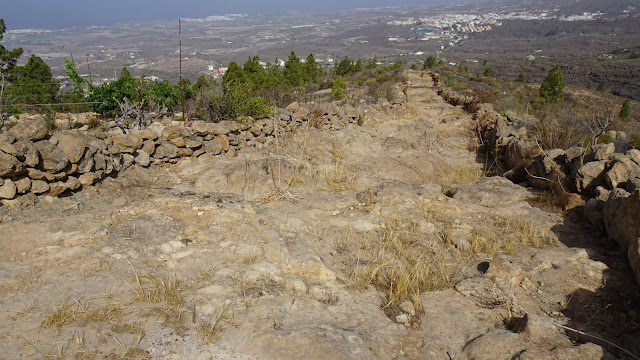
(380, 241)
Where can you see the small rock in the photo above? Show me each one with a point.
(403, 319)
(407, 307)
(8, 190)
(39, 186)
(23, 185)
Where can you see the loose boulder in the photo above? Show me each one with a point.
(30, 130)
(53, 159)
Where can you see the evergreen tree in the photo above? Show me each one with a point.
(602, 87)
(35, 82)
(125, 72)
(625, 110)
(293, 70)
(488, 72)
(344, 67)
(429, 62)
(235, 75)
(552, 87)
(8, 58)
(339, 88)
(357, 66)
(372, 64)
(311, 70)
(521, 78)
(254, 71)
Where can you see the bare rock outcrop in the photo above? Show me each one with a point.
(623, 224)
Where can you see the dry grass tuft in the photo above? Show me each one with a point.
(506, 235)
(152, 289)
(404, 264)
(339, 176)
(446, 175)
(68, 312)
(209, 330)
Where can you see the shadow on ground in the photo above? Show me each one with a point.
(610, 316)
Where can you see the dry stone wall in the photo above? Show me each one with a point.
(34, 162)
(607, 179)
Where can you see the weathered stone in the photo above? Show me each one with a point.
(21, 201)
(157, 127)
(620, 169)
(23, 185)
(39, 186)
(127, 143)
(224, 127)
(9, 165)
(72, 144)
(166, 150)
(9, 149)
(30, 130)
(88, 179)
(493, 192)
(183, 152)
(100, 161)
(623, 224)
(172, 132)
(71, 169)
(144, 134)
(590, 176)
(149, 147)
(28, 153)
(7, 138)
(53, 159)
(193, 143)
(214, 147)
(73, 183)
(86, 163)
(178, 141)
(633, 184)
(56, 188)
(600, 152)
(634, 154)
(142, 158)
(198, 152)
(127, 161)
(8, 190)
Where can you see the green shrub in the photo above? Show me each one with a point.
(339, 88)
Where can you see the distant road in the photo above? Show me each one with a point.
(474, 83)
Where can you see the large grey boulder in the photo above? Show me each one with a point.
(620, 169)
(28, 153)
(221, 128)
(127, 143)
(53, 158)
(589, 176)
(9, 165)
(166, 150)
(173, 132)
(30, 130)
(72, 144)
(623, 224)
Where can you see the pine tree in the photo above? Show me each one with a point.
(552, 87)
(521, 78)
(8, 58)
(429, 62)
(488, 72)
(625, 111)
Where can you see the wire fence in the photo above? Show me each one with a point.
(38, 94)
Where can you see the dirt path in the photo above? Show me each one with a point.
(255, 258)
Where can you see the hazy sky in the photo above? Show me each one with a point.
(49, 14)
